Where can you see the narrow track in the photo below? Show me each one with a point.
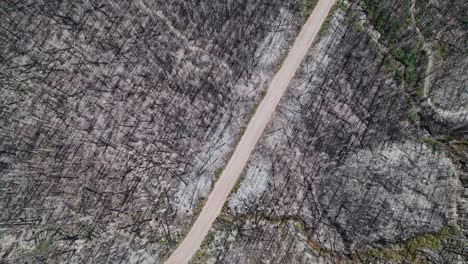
(458, 116)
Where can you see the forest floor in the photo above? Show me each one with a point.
(252, 134)
(442, 114)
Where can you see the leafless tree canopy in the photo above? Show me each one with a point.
(108, 107)
(357, 166)
(115, 116)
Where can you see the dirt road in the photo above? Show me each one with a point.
(457, 117)
(255, 128)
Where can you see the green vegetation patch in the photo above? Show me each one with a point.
(411, 59)
(340, 5)
(307, 6)
(43, 248)
(201, 257)
(209, 238)
(203, 254)
(217, 174)
(408, 250)
(8, 8)
(438, 141)
(397, 31)
(225, 221)
(390, 27)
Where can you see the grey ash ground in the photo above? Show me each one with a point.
(356, 167)
(116, 116)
